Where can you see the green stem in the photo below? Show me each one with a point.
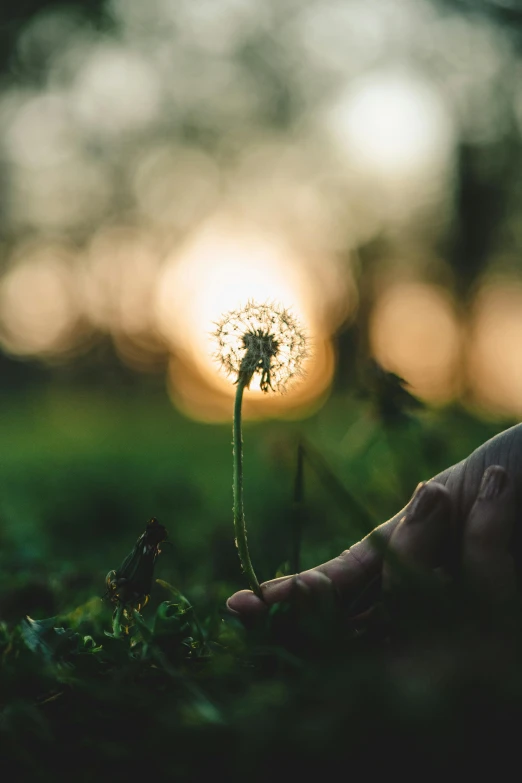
(239, 514)
(297, 512)
(343, 496)
(116, 622)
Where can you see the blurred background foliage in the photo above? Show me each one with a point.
(162, 162)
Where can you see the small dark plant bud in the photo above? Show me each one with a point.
(129, 586)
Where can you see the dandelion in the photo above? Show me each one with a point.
(264, 340)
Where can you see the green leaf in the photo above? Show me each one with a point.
(115, 650)
(177, 594)
(170, 618)
(143, 627)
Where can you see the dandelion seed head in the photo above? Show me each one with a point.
(262, 339)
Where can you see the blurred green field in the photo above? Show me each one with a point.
(82, 471)
(190, 691)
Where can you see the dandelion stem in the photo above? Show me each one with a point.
(239, 514)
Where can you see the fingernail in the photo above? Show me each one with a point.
(232, 611)
(424, 501)
(492, 483)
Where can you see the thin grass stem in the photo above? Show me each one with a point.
(297, 511)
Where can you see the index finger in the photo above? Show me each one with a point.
(349, 572)
(487, 559)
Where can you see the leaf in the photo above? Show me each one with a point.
(283, 570)
(185, 607)
(171, 620)
(115, 650)
(174, 592)
(143, 627)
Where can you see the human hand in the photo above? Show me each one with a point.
(483, 557)
(452, 510)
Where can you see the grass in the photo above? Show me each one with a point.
(188, 692)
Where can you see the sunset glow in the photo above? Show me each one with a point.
(221, 271)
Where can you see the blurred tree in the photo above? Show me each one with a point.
(485, 177)
(16, 13)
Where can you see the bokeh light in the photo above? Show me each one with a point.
(175, 187)
(117, 280)
(495, 360)
(394, 137)
(39, 311)
(415, 333)
(115, 91)
(392, 124)
(165, 162)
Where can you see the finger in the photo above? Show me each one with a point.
(246, 604)
(487, 561)
(357, 566)
(347, 574)
(312, 588)
(463, 479)
(417, 543)
(315, 591)
(310, 582)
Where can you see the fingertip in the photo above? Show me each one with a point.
(494, 481)
(492, 516)
(246, 604)
(417, 544)
(429, 498)
(487, 552)
(442, 492)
